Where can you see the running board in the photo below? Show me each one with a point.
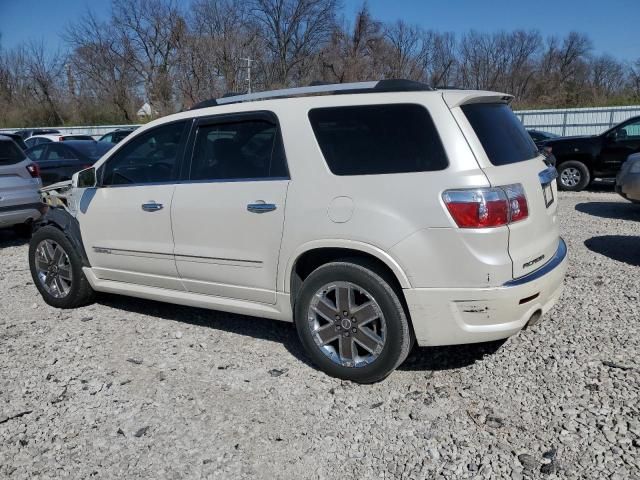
(280, 311)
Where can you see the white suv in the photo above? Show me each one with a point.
(372, 216)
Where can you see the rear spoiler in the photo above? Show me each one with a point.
(457, 98)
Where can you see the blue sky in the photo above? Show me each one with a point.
(612, 25)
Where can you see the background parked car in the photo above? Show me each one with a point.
(538, 136)
(581, 159)
(58, 161)
(29, 132)
(628, 180)
(116, 135)
(16, 138)
(20, 203)
(38, 139)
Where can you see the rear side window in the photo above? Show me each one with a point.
(378, 139)
(10, 153)
(248, 149)
(503, 137)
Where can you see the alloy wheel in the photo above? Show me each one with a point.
(570, 177)
(347, 324)
(53, 268)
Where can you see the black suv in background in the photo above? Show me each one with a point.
(581, 159)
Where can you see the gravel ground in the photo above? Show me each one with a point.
(136, 389)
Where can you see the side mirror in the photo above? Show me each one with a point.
(84, 178)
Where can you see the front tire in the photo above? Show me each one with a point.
(352, 323)
(573, 176)
(56, 269)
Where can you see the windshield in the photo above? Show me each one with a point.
(503, 137)
(10, 153)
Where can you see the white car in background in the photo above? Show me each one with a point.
(372, 215)
(20, 202)
(38, 139)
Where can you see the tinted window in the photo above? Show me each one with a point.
(503, 137)
(244, 149)
(91, 149)
(630, 131)
(377, 139)
(77, 137)
(58, 152)
(35, 153)
(107, 138)
(536, 137)
(151, 157)
(10, 153)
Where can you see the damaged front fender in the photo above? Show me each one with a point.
(61, 218)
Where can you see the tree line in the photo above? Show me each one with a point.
(173, 54)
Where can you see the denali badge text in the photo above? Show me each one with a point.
(101, 250)
(532, 262)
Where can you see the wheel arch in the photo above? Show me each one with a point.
(314, 254)
(67, 224)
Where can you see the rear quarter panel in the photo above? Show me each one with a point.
(399, 214)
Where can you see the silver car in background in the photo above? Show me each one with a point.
(628, 179)
(20, 203)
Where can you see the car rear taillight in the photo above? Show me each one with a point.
(518, 208)
(34, 170)
(487, 207)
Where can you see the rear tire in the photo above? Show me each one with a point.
(367, 343)
(56, 269)
(573, 176)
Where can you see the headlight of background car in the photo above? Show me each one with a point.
(635, 167)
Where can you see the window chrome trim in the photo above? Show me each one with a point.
(556, 260)
(187, 182)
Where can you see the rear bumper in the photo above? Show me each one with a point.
(454, 316)
(17, 214)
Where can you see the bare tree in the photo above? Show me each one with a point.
(355, 52)
(294, 32)
(152, 30)
(102, 67)
(174, 53)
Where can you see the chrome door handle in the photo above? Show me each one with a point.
(152, 206)
(261, 207)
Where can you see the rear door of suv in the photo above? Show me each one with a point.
(508, 156)
(228, 214)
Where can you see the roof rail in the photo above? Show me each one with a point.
(379, 86)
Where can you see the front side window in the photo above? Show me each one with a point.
(378, 139)
(152, 157)
(247, 149)
(630, 131)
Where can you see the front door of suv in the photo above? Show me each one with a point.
(126, 221)
(618, 144)
(229, 216)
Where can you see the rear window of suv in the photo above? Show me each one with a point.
(378, 139)
(10, 153)
(503, 137)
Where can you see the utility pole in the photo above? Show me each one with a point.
(249, 61)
